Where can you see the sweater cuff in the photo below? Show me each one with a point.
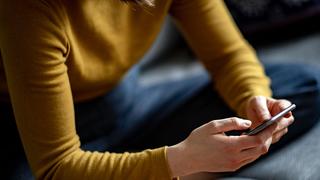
(160, 159)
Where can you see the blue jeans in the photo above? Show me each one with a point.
(135, 117)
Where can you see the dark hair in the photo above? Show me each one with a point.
(141, 2)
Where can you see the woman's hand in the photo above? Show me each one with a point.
(260, 108)
(208, 149)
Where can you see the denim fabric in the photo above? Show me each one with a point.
(134, 117)
(298, 83)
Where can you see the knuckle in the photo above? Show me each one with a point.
(282, 133)
(291, 120)
(265, 114)
(213, 124)
(284, 102)
(284, 124)
(264, 149)
(276, 140)
(255, 100)
(281, 103)
(235, 121)
(252, 101)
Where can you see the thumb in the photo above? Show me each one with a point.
(228, 124)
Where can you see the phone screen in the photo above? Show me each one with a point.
(271, 121)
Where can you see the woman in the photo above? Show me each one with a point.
(62, 64)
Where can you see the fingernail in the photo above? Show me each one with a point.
(247, 123)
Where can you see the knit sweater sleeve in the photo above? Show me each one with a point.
(231, 62)
(34, 49)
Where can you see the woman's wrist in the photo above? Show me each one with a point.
(178, 160)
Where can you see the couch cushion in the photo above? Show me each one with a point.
(269, 16)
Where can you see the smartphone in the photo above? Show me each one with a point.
(270, 121)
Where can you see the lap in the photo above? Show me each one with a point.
(295, 82)
(300, 84)
(133, 117)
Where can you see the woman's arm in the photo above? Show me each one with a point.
(213, 36)
(34, 50)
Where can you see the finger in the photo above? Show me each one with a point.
(228, 124)
(266, 133)
(277, 136)
(253, 154)
(284, 123)
(261, 109)
(256, 151)
(244, 142)
(280, 105)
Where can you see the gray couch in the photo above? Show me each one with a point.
(299, 160)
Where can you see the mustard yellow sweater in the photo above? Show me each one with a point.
(57, 52)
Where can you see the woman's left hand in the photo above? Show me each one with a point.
(260, 109)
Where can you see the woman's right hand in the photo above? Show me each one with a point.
(208, 149)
